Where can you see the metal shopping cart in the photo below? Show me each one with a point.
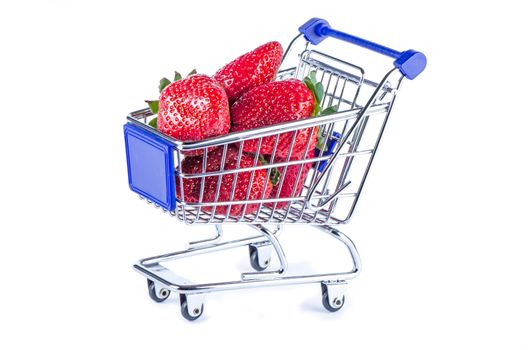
(328, 190)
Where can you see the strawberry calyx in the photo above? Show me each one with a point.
(317, 90)
(274, 173)
(164, 82)
(154, 123)
(154, 104)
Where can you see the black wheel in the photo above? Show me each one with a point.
(190, 315)
(157, 297)
(332, 305)
(254, 259)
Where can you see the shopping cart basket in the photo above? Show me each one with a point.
(326, 184)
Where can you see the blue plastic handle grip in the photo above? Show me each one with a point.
(410, 63)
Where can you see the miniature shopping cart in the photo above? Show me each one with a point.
(328, 193)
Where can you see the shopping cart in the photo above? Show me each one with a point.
(324, 195)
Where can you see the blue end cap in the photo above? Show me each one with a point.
(411, 63)
(150, 163)
(312, 30)
(330, 148)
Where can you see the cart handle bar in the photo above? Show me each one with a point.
(410, 63)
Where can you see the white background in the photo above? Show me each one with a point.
(441, 226)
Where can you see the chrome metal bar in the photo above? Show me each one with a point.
(380, 134)
(345, 137)
(288, 49)
(276, 165)
(267, 200)
(209, 241)
(252, 176)
(192, 251)
(332, 231)
(219, 182)
(152, 269)
(283, 263)
(354, 144)
(270, 130)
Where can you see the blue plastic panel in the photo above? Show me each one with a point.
(330, 148)
(150, 163)
(411, 63)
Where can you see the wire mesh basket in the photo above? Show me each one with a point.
(327, 182)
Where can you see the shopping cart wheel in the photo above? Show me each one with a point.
(158, 295)
(259, 256)
(190, 312)
(331, 301)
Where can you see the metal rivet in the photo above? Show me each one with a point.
(196, 311)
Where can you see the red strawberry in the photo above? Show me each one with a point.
(290, 186)
(193, 109)
(192, 186)
(272, 103)
(283, 145)
(260, 187)
(250, 70)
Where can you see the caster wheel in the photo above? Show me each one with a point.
(256, 264)
(188, 314)
(157, 296)
(332, 305)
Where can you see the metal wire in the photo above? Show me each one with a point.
(328, 194)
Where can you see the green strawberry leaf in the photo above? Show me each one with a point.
(163, 84)
(153, 105)
(329, 110)
(313, 76)
(154, 123)
(317, 90)
(318, 87)
(321, 145)
(275, 176)
(274, 173)
(309, 85)
(193, 72)
(262, 160)
(177, 76)
(317, 109)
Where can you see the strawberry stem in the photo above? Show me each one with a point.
(274, 173)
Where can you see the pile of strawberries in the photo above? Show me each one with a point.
(240, 96)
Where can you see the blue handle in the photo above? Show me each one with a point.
(410, 63)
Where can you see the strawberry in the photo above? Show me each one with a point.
(250, 70)
(193, 109)
(303, 137)
(290, 186)
(278, 102)
(272, 103)
(261, 185)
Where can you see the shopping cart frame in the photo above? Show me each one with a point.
(162, 281)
